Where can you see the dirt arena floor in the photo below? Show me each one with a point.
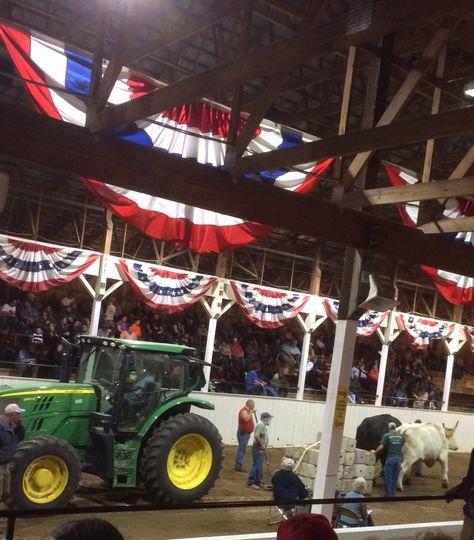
(232, 487)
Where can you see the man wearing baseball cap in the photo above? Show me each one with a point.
(11, 433)
(260, 442)
(392, 442)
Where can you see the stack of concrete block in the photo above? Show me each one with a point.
(353, 463)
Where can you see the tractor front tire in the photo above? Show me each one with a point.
(183, 459)
(45, 474)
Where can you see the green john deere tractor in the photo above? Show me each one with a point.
(127, 420)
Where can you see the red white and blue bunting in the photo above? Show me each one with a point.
(455, 288)
(163, 289)
(195, 130)
(366, 325)
(35, 267)
(268, 308)
(469, 333)
(421, 331)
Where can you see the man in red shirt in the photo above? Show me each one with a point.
(246, 427)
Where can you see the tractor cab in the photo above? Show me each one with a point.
(135, 382)
(133, 378)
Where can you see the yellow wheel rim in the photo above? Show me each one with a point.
(45, 479)
(189, 461)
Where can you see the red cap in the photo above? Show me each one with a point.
(306, 527)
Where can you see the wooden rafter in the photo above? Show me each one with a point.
(402, 97)
(389, 15)
(52, 143)
(126, 33)
(454, 225)
(404, 133)
(418, 192)
(269, 92)
(175, 34)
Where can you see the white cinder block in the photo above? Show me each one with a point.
(305, 469)
(348, 472)
(311, 456)
(308, 482)
(349, 458)
(350, 444)
(370, 459)
(370, 472)
(341, 459)
(361, 457)
(360, 470)
(339, 485)
(294, 452)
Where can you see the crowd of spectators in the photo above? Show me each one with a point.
(35, 332)
(246, 358)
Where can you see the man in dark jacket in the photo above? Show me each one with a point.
(466, 490)
(11, 433)
(287, 486)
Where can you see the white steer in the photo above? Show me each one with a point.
(428, 443)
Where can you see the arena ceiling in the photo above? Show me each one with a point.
(373, 80)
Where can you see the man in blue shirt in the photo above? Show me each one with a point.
(11, 433)
(393, 443)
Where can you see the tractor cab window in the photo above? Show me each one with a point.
(151, 379)
(100, 366)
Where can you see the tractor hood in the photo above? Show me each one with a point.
(46, 396)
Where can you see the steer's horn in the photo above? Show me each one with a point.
(457, 423)
(443, 425)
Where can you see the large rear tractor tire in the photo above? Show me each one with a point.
(45, 474)
(183, 459)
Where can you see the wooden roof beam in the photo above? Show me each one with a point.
(439, 189)
(267, 95)
(464, 224)
(389, 16)
(457, 122)
(49, 142)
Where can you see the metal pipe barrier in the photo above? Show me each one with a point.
(13, 514)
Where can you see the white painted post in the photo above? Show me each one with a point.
(95, 315)
(447, 381)
(334, 415)
(382, 371)
(303, 364)
(211, 336)
(101, 280)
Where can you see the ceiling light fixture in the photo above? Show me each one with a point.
(469, 89)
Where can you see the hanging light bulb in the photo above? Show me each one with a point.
(469, 89)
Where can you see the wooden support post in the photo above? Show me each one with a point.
(428, 209)
(101, 280)
(346, 98)
(316, 274)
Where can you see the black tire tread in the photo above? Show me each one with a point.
(44, 445)
(155, 448)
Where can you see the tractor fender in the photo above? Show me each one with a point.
(182, 404)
